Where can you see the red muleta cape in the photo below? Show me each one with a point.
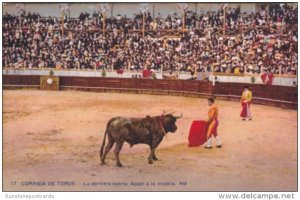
(198, 133)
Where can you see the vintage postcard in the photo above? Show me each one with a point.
(150, 97)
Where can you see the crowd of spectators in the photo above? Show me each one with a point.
(255, 42)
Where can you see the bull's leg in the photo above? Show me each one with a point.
(150, 158)
(154, 156)
(117, 151)
(107, 149)
(156, 141)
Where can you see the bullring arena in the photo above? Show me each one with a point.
(56, 136)
(72, 67)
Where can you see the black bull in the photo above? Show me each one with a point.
(148, 130)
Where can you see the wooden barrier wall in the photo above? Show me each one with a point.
(19, 80)
(283, 93)
(281, 96)
(201, 87)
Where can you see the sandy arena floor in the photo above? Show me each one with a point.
(51, 142)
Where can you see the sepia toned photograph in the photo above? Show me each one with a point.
(149, 96)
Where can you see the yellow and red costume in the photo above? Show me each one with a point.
(245, 101)
(212, 121)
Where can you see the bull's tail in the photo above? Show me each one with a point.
(102, 147)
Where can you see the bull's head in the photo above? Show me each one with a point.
(169, 122)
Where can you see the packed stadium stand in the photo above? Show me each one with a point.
(253, 43)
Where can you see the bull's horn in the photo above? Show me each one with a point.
(171, 113)
(178, 116)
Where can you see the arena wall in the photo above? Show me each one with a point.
(281, 96)
(274, 95)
